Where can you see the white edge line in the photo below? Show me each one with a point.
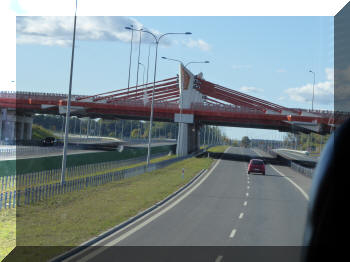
(218, 259)
(233, 233)
(128, 233)
(290, 180)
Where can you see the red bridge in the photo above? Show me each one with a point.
(209, 103)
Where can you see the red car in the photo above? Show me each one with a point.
(256, 166)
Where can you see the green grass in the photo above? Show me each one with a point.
(7, 231)
(70, 219)
(217, 149)
(39, 132)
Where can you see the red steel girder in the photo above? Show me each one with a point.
(228, 98)
(105, 93)
(165, 87)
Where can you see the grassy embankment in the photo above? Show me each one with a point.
(38, 132)
(88, 174)
(70, 219)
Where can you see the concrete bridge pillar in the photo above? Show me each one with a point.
(188, 136)
(15, 127)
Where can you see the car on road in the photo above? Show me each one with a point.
(256, 166)
(49, 141)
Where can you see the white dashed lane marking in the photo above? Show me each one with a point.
(219, 258)
(232, 235)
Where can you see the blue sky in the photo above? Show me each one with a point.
(268, 57)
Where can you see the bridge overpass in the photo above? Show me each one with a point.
(185, 98)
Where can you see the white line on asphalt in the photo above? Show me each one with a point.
(233, 233)
(245, 203)
(248, 187)
(133, 230)
(248, 182)
(218, 259)
(290, 180)
(247, 194)
(241, 215)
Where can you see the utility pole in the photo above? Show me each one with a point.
(65, 145)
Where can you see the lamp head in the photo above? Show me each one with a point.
(188, 33)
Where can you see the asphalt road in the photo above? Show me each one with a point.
(228, 208)
(295, 155)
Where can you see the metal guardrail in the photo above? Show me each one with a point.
(303, 170)
(299, 168)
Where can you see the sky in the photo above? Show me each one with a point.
(265, 56)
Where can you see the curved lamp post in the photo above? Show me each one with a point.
(157, 39)
(65, 143)
(192, 62)
(313, 88)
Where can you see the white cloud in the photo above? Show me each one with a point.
(201, 44)
(237, 67)
(323, 91)
(330, 74)
(250, 89)
(57, 30)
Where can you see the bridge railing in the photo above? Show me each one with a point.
(224, 108)
(37, 95)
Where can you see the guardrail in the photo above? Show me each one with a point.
(303, 170)
(299, 168)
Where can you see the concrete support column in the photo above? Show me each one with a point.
(11, 129)
(182, 140)
(28, 134)
(193, 138)
(1, 125)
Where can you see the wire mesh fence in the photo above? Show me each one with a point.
(41, 186)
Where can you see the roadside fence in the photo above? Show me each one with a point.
(33, 194)
(299, 168)
(54, 175)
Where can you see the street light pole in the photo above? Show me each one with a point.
(143, 75)
(138, 62)
(197, 62)
(149, 52)
(313, 89)
(200, 62)
(64, 158)
(143, 83)
(157, 39)
(132, 34)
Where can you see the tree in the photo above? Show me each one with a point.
(235, 143)
(245, 141)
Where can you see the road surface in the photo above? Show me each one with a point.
(226, 207)
(292, 155)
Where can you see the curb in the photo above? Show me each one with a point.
(123, 224)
